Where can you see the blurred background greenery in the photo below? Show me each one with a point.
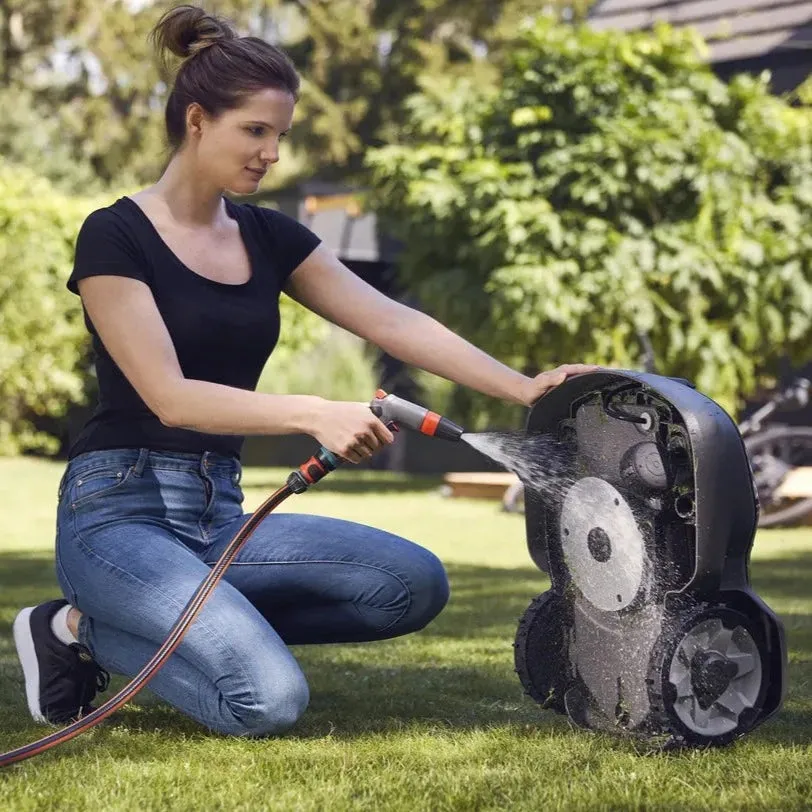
(555, 191)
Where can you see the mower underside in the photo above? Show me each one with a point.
(650, 626)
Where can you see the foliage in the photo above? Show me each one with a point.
(90, 74)
(300, 331)
(337, 366)
(609, 185)
(42, 338)
(361, 60)
(30, 138)
(803, 93)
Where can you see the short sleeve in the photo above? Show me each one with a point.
(106, 247)
(292, 242)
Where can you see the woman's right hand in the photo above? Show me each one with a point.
(349, 429)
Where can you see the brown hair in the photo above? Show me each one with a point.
(219, 69)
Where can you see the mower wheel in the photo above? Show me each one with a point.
(707, 679)
(540, 653)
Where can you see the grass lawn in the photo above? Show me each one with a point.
(432, 721)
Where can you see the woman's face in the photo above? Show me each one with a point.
(239, 146)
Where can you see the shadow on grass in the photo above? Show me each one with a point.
(784, 578)
(24, 580)
(457, 674)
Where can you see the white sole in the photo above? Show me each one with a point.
(28, 658)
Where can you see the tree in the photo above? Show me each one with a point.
(87, 68)
(29, 138)
(609, 185)
(361, 60)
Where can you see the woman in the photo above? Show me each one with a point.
(180, 290)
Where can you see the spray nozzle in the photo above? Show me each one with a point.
(394, 410)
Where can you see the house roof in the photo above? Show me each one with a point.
(734, 29)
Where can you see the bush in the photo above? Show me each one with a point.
(42, 337)
(609, 186)
(338, 367)
(32, 138)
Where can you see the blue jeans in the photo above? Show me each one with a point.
(137, 531)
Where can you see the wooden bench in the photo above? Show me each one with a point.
(478, 485)
(797, 484)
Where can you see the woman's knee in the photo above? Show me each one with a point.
(429, 592)
(271, 708)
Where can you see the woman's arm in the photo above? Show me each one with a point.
(323, 284)
(120, 308)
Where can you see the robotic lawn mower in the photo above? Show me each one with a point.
(650, 626)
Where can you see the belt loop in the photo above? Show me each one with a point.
(143, 456)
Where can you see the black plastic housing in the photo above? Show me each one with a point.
(690, 465)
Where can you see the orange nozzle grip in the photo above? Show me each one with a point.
(430, 423)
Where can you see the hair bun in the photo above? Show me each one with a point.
(221, 78)
(187, 30)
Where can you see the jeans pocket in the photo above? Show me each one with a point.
(95, 484)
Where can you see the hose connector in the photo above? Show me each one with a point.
(392, 409)
(310, 472)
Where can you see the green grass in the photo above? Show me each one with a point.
(432, 721)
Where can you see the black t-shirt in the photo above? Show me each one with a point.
(222, 333)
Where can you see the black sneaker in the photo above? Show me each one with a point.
(60, 680)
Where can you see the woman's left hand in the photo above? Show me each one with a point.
(533, 388)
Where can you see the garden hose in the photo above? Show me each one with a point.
(190, 612)
(392, 411)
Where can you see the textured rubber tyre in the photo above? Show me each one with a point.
(540, 655)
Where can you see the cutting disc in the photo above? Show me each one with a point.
(603, 546)
(713, 690)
